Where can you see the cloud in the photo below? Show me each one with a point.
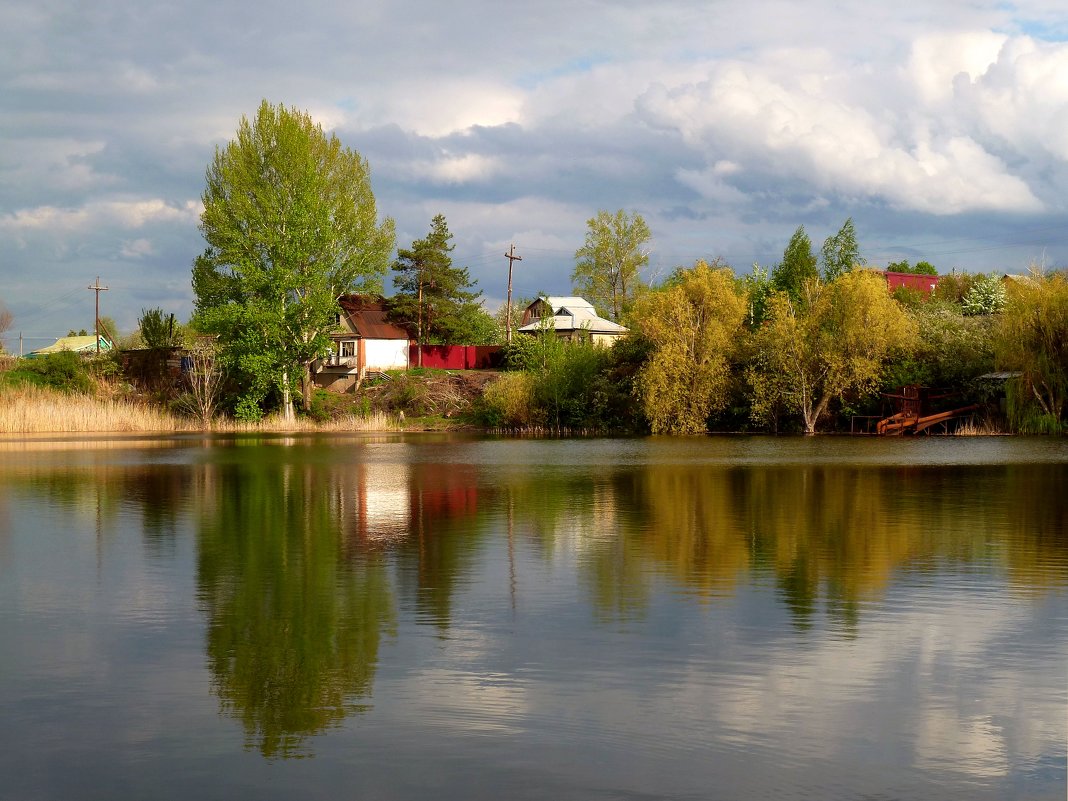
(137, 249)
(124, 214)
(811, 120)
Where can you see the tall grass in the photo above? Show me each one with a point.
(27, 409)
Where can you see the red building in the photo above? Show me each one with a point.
(921, 283)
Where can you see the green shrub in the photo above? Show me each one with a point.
(65, 371)
(509, 402)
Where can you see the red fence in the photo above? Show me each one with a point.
(456, 357)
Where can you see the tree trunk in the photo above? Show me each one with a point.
(287, 398)
(306, 386)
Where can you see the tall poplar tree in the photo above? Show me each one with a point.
(291, 225)
(608, 264)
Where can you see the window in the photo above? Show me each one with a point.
(348, 348)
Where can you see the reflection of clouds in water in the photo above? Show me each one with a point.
(825, 700)
(971, 745)
(467, 702)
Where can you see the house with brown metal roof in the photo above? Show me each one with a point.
(365, 342)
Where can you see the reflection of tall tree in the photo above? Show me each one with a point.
(293, 630)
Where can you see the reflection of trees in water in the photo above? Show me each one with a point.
(101, 492)
(829, 536)
(293, 627)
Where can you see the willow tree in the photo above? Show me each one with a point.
(1033, 340)
(608, 264)
(291, 225)
(833, 346)
(693, 326)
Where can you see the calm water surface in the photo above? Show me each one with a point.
(447, 617)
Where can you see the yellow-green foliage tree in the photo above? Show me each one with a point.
(694, 326)
(1033, 339)
(831, 345)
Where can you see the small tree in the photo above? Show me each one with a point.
(6, 319)
(609, 263)
(840, 252)
(834, 348)
(159, 329)
(797, 268)
(1033, 339)
(205, 379)
(986, 296)
(758, 291)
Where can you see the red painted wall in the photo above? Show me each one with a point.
(456, 357)
(923, 283)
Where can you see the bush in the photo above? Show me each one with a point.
(509, 402)
(986, 296)
(65, 371)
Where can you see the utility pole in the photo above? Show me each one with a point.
(510, 255)
(419, 324)
(96, 320)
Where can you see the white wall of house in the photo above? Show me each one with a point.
(386, 354)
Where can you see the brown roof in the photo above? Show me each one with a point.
(368, 317)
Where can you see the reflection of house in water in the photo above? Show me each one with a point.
(385, 502)
(375, 504)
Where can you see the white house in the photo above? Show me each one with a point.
(571, 318)
(365, 342)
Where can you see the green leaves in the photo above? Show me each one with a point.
(291, 224)
(693, 325)
(797, 268)
(840, 253)
(608, 264)
(435, 300)
(833, 348)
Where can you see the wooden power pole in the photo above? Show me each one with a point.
(96, 320)
(510, 255)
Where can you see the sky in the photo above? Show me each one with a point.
(940, 128)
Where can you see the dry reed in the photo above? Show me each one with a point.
(38, 410)
(971, 428)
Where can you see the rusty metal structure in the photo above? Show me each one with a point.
(914, 413)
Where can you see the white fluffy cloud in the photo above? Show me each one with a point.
(944, 135)
(124, 214)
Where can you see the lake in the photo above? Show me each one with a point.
(461, 617)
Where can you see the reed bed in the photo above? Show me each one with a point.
(983, 428)
(376, 421)
(38, 410)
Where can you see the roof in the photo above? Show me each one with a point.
(75, 344)
(369, 318)
(572, 302)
